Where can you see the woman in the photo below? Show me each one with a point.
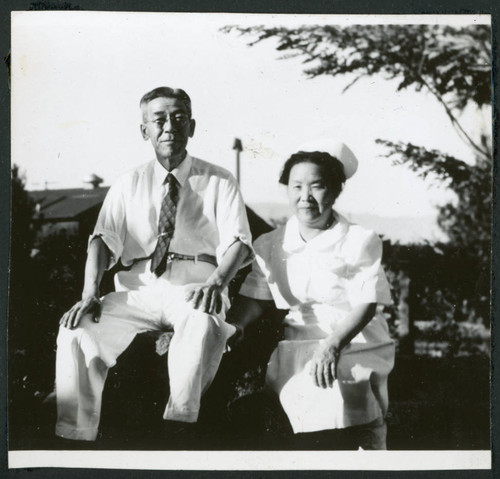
(330, 371)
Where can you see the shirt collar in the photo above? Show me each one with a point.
(293, 242)
(180, 173)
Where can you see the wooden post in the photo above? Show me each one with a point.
(238, 146)
(405, 326)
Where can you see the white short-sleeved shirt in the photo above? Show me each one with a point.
(320, 281)
(210, 216)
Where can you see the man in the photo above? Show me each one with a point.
(180, 225)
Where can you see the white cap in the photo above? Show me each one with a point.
(334, 148)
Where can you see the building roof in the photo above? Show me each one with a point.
(67, 204)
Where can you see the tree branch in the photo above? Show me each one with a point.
(453, 119)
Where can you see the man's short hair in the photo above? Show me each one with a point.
(167, 92)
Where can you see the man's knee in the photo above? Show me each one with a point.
(202, 328)
(67, 335)
(205, 324)
(83, 329)
(83, 340)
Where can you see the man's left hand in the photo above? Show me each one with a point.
(206, 297)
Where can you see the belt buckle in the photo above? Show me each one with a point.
(195, 259)
(169, 258)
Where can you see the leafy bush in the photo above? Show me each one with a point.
(448, 296)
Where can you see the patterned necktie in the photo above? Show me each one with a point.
(166, 226)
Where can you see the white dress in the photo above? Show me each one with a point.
(320, 282)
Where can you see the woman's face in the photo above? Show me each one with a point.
(310, 195)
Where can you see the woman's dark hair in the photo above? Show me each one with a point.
(332, 169)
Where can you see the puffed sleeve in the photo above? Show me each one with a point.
(111, 223)
(367, 282)
(232, 221)
(255, 284)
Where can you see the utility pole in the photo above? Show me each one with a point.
(45, 184)
(238, 146)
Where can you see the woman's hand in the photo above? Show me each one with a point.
(324, 364)
(325, 360)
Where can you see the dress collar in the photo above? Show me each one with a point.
(293, 242)
(180, 173)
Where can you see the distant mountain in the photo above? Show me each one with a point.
(403, 229)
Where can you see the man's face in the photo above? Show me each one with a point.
(166, 122)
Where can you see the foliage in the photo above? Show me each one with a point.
(58, 270)
(448, 276)
(22, 228)
(454, 306)
(45, 278)
(50, 286)
(21, 284)
(22, 240)
(391, 312)
(461, 339)
(453, 64)
(468, 221)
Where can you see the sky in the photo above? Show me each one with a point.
(77, 78)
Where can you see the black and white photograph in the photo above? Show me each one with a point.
(250, 241)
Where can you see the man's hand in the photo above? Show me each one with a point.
(207, 298)
(324, 365)
(90, 304)
(97, 259)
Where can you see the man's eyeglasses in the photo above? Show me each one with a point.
(178, 119)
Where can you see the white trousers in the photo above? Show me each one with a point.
(142, 302)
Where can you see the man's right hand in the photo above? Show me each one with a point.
(90, 304)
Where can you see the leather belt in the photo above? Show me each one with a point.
(204, 258)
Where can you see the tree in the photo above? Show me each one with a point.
(45, 278)
(453, 65)
(21, 291)
(22, 229)
(22, 241)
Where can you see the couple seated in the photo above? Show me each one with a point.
(179, 226)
